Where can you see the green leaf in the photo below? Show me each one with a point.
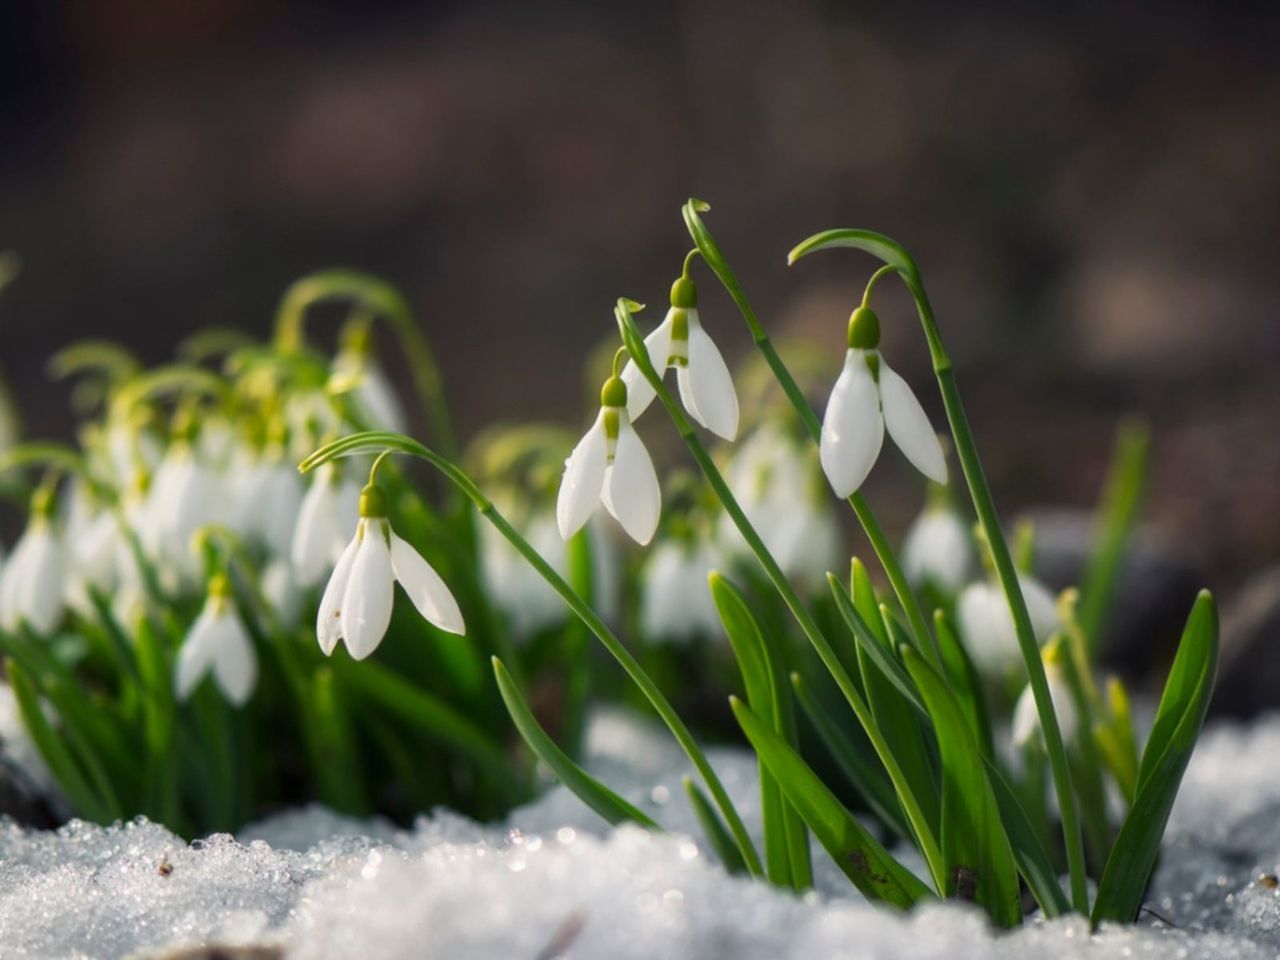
(586, 787)
(869, 642)
(713, 829)
(1121, 500)
(864, 861)
(1033, 860)
(978, 854)
(966, 683)
(785, 840)
(863, 773)
(1173, 738)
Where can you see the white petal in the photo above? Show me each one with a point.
(235, 665)
(1026, 719)
(38, 585)
(853, 428)
(909, 426)
(425, 588)
(329, 617)
(937, 549)
(987, 629)
(366, 603)
(583, 480)
(710, 396)
(318, 524)
(631, 490)
(640, 392)
(196, 654)
(1041, 607)
(281, 500)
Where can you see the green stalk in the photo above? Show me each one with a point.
(980, 492)
(361, 443)
(386, 301)
(861, 509)
(920, 824)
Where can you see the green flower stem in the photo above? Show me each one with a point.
(920, 824)
(980, 492)
(386, 301)
(919, 626)
(368, 442)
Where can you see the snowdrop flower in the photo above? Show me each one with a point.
(987, 624)
(777, 482)
(279, 502)
(869, 398)
(938, 549)
(330, 510)
(610, 465)
(1026, 719)
(186, 494)
(217, 643)
(32, 586)
(91, 546)
(676, 603)
(356, 606)
(706, 389)
(374, 396)
(281, 590)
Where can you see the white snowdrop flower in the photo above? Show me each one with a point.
(869, 398)
(280, 588)
(279, 503)
(330, 510)
(525, 599)
(706, 388)
(91, 535)
(777, 482)
(186, 494)
(356, 606)
(938, 549)
(1026, 719)
(987, 624)
(610, 465)
(217, 643)
(32, 585)
(676, 603)
(374, 396)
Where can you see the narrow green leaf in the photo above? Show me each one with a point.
(864, 861)
(1121, 500)
(1033, 860)
(863, 773)
(966, 683)
(876, 649)
(586, 787)
(785, 840)
(713, 829)
(1173, 738)
(978, 854)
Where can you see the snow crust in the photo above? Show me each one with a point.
(554, 881)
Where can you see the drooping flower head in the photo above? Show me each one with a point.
(938, 549)
(32, 586)
(869, 398)
(356, 607)
(706, 388)
(610, 465)
(986, 623)
(219, 644)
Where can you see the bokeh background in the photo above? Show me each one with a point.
(1093, 195)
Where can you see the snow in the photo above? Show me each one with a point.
(555, 881)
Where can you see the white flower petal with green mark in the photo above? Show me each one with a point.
(370, 593)
(640, 392)
(583, 480)
(706, 387)
(909, 426)
(329, 617)
(425, 588)
(217, 641)
(631, 493)
(853, 428)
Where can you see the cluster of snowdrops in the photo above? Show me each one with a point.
(173, 613)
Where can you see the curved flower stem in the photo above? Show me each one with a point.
(386, 301)
(372, 441)
(919, 626)
(919, 823)
(896, 256)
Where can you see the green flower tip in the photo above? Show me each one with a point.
(864, 329)
(220, 586)
(699, 206)
(613, 393)
(684, 294)
(373, 501)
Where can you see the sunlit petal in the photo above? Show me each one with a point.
(909, 426)
(853, 428)
(709, 394)
(425, 588)
(631, 490)
(235, 665)
(329, 617)
(639, 391)
(582, 481)
(366, 603)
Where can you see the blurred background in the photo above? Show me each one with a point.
(1093, 196)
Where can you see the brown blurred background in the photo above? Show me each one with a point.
(1093, 197)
